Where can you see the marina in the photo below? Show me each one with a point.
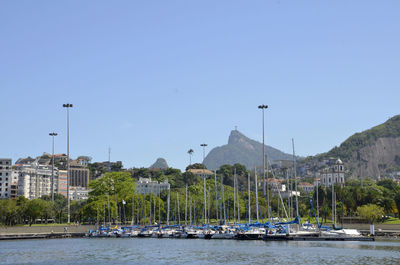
(255, 231)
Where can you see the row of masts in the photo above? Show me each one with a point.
(191, 206)
(220, 203)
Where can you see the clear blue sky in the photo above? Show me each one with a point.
(155, 78)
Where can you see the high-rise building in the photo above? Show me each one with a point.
(5, 178)
(62, 182)
(78, 174)
(34, 180)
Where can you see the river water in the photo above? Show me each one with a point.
(194, 251)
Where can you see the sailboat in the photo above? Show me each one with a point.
(256, 230)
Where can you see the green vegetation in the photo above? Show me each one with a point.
(370, 212)
(345, 151)
(114, 199)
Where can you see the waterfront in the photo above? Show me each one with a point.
(178, 251)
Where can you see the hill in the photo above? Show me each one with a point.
(371, 153)
(161, 163)
(243, 150)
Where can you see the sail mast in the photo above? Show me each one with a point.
(223, 197)
(238, 200)
(234, 196)
(216, 195)
(255, 178)
(249, 185)
(168, 198)
(179, 214)
(295, 179)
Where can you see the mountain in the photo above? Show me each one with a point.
(161, 163)
(243, 150)
(371, 153)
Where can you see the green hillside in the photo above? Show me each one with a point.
(391, 128)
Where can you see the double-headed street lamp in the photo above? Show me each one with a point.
(52, 168)
(68, 199)
(263, 107)
(204, 181)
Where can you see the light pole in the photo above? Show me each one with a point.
(52, 168)
(263, 107)
(68, 199)
(204, 180)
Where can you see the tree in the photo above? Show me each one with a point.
(370, 212)
(34, 210)
(397, 201)
(60, 205)
(111, 189)
(196, 166)
(190, 152)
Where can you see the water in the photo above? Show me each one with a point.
(194, 251)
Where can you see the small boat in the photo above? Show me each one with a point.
(145, 232)
(224, 232)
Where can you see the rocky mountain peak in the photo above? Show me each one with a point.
(160, 163)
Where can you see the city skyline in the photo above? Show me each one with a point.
(155, 80)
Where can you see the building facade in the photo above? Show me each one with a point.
(147, 186)
(34, 180)
(5, 178)
(62, 182)
(333, 174)
(79, 175)
(78, 193)
(307, 187)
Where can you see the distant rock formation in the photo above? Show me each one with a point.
(161, 163)
(243, 150)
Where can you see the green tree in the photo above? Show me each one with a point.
(190, 152)
(196, 166)
(35, 210)
(370, 212)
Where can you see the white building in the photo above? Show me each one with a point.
(307, 187)
(333, 174)
(34, 180)
(78, 193)
(5, 178)
(147, 186)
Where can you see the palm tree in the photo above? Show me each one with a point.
(190, 152)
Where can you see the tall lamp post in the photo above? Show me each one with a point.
(204, 180)
(52, 168)
(68, 199)
(265, 191)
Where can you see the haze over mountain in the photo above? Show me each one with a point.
(243, 150)
(371, 153)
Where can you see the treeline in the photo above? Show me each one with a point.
(24, 211)
(114, 199)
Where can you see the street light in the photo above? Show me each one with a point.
(263, 107)
(204, 180)
(68, 199)
(52, 168)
